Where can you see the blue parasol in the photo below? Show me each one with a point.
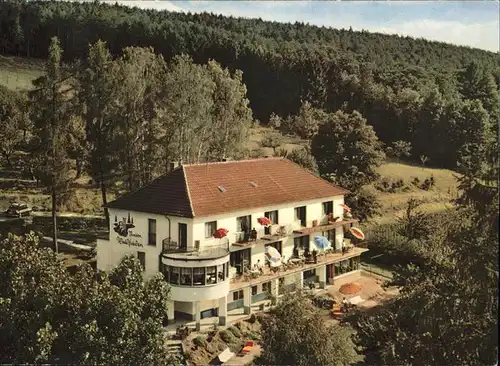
(321, 242)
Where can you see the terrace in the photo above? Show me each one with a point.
(172, 250)
(254, 278)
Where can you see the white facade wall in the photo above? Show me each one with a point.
(110, 252)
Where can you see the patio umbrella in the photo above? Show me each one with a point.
(273, 256)
(220, 233)
(356, 231)
(345, 207)
(264, 221)
(321, 242)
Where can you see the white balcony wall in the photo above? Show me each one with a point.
(110, 252)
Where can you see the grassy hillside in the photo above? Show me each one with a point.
(17, 73)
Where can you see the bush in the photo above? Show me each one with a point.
(236, 332)
(387, 185)
(226, 336)
(200, 341)
(253, 336)
(252, 319)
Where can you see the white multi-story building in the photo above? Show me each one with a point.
(169, 225)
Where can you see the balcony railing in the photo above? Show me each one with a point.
(323, 227)
(172, 247)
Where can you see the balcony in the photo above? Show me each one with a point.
(323, 227)
(242, 281)
(172, 250)
(245, 239)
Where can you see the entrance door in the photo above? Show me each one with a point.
(182, 236)
(240, 260)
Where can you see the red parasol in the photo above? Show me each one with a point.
(346, 208)
(220, 233)
(357, 233)
(264, 221)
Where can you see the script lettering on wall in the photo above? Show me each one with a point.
(129, 242)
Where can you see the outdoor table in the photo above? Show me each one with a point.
(297, 261)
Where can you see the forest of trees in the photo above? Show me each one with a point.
(126, 91)
(430, 94)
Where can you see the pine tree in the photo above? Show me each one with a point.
(49, 103)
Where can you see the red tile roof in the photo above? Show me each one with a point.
(215, 188)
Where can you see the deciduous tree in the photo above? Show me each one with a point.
(295, 334)
(96, 91)
(347, 150)
(50, 316)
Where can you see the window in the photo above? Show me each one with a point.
(302, 242)
(183, 236)
(237, 295)
(220, 273)
(186, 275)
(266, 287)
(300, 214)
(210, 228)
(199, 276)
(174, 275)
(254, 290)
(273, 216)
(327, 207)
(244, 223)
(166, 272)
(211, 273)
(330, 235)
(151, 232)
(142, 258)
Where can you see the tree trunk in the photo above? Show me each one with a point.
(7, 159)
(79, 167)
(104, 201)
(54, 220)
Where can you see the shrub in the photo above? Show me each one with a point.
(236, 332)
(426, 185)
(415, 181)
(226, 336)
(252, 319)
(199, 341)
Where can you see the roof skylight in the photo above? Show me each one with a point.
(253, 184)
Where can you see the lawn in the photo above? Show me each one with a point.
(437, 198)
(17, 73)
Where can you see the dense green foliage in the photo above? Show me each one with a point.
(409, 90)
(447, 313)
(49, 316)
(294, 333)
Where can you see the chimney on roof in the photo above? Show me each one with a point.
(172, 165)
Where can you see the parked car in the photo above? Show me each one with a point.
(18, 209)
